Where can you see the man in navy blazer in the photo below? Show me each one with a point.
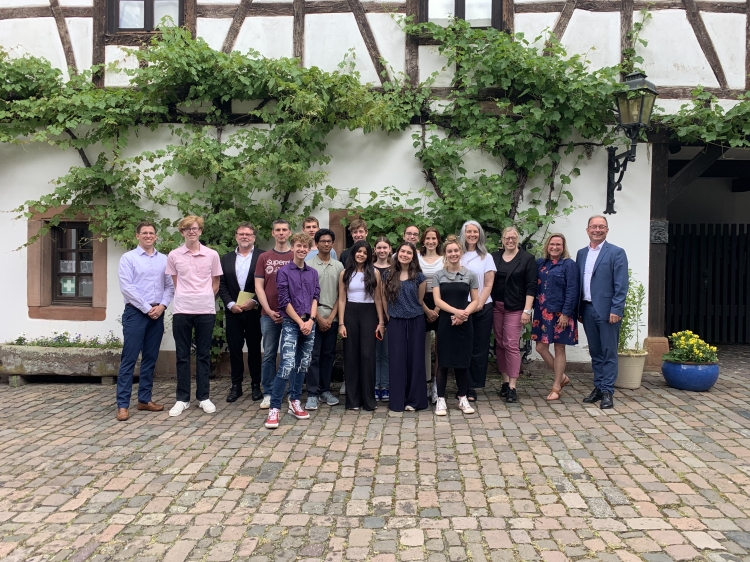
(242, 322)
(603, 269)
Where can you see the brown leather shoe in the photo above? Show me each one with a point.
(122, 414)
(151, 407)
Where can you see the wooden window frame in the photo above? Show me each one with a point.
(40, 273)
(58, 235)
(113, 17)
(460, 12)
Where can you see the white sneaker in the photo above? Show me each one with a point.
(464, 406)
(409, 408)
(441, 408)
(178, 408)
(342, 390)
(207, 406)
(266, 402)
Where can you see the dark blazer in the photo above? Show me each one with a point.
(609, 282)
(561, 293)
(521, 280)
(229, 287)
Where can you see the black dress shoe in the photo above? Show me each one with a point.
(607, 401)
(235, 393)
(504, 390)
(257, 393)
(595, 396)
(512, 397)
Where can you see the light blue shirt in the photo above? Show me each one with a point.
(143, 279)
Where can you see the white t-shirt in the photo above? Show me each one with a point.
(430, 269)
(479, 266)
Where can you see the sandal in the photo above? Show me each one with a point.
(556, 392)
(565, 382)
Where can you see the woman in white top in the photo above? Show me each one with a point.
(431, 261)
(480, 262)
(360, 325)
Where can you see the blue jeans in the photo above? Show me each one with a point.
(381, 363)
(143, 335)
(296, 350)
(271, 334)
(603, 338)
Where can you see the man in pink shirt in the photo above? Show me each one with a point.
(196, 271)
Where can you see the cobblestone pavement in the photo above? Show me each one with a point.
(664, 476)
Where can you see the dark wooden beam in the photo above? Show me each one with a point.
(62, 30)
(562, 22)
(693, 170)
(97, 48)
(234, 28)
(130, 39)
(626, 26)
(747, 44)
(411, 67)
(369, 38)
(615, 6)
(719, 169)
(265, 9)
(657, 269)
(191, 16)
(704, 40)
(298, 31)
(684, 92)
(507, 16)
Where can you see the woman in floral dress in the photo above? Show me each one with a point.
(555, 308)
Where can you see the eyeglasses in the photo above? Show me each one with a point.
(245, 235)
(192, 229)
(323, 241)
(411, 233)
(510, 238)
(598, 227)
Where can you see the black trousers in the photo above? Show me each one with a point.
(462, 380)
(408, 384)
(359, 358)
(182, 330)
(244, 328)
(318, 378)
(481, 350)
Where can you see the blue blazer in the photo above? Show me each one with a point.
(561, 293)
(609, 282)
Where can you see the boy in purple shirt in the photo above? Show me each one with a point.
(299, 292)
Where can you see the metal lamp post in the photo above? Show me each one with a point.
(634, 107)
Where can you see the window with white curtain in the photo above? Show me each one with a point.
(477, 12)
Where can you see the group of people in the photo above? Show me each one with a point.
(384, 302)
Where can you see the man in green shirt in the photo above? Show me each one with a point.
(318, 379)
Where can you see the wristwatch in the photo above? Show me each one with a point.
(528, 311)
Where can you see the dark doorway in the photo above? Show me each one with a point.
(708, 281)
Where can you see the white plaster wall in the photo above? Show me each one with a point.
(328, 39)
(390, 39)
(595, 35)
(430, 62)
(727, 32)
(673, 56)
(34, 36)
(76, 2)
(120, 57)
(535, 25)
(710, 200)
(271, 37)
(81, 31)
(213, 31)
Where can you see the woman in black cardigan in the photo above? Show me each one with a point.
(513, 298)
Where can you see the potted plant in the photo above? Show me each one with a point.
(631, 359)
(691, 363)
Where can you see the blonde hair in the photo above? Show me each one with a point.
(188, 221)
(301, 237)
(449, 240)
(545, 250)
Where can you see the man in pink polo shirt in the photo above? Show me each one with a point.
(195, 271)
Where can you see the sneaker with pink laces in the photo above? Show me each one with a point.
(272, 421)
(295, 408)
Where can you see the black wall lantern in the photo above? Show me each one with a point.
(634, 107)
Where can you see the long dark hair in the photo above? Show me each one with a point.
(438, 248)
(371, 282)
(393, 281)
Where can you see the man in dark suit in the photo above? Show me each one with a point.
(603, 270)
(242, 321)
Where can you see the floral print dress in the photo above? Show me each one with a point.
(544, 327)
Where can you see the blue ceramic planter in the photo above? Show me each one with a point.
(697, 377)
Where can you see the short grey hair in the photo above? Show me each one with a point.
(598, 217)
(481, 243)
